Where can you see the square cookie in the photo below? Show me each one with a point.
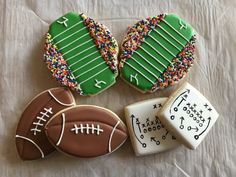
(147, 134)
(188, 115)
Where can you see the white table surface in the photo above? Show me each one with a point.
(23, 24)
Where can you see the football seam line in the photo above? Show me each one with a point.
(31, 141)
(58, 101)
(55, 125)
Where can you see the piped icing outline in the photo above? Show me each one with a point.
(103, 40)
(179, 65)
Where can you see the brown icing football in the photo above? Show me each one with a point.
(86, 131)
(31, 141)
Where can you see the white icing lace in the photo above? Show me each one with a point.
(41, 120)
(86, 129)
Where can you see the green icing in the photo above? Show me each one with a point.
(63, 37)
(162, 33)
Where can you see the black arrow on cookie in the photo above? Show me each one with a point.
(183, 99)
(156, 141)
(182, 119)
(197, 136)
(132, 121)
(191, 128)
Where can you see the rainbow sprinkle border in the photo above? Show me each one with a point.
(103, 39)
(179, 66)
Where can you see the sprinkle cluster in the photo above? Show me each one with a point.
(179, 66)
(105, 42)
(58, 66)
(136, 34)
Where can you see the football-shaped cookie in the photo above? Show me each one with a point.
(86, 131)
(157, 52)
(81, 54)
(31, 141)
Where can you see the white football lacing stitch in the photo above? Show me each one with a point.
(81, 129)
(41, 118)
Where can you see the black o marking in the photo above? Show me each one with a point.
(197, 136)
(172, 117)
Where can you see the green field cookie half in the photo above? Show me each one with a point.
(157, 52)
(81, 54)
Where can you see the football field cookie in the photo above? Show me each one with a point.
(31, 141)
(86, 131)
(147, 133)
(81, 54)
(157, 52)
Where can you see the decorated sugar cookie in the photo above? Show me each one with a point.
(188, 115)
(147, 133)
(86, 131)
(157, 52)
(81, 54)
(31, 141)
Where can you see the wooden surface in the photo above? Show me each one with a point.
(23, 74)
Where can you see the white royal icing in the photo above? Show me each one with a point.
(145, 68)
(182, 25)
(40, 120)
(167, 39)
(189, 115)
(64, 104)
(141, 56)
(175, 30)
(146, 132)
(135, 77)
(139, 72)
(65, 53)
(86, 129)
(110, 138)
(91, 69)
(98, 83)
(31, 141)
(63, 22)
(85, 64)
(94, 75)
(86, 34)
(67, 30)
(83, 58)
(62, 129)
(173, 55)
(163, 29)
(67, 59)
